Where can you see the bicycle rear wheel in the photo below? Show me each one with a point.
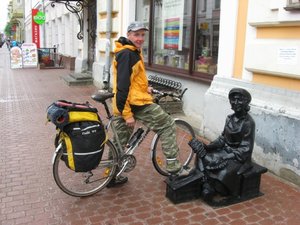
(80, 184)
(184, 133)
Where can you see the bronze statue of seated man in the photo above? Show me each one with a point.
(224, 160)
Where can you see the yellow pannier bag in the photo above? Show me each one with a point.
(82, 133)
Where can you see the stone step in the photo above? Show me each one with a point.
(81, 76)
(78, 79)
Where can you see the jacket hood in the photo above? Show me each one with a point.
(122, 43)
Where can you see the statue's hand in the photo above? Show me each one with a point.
(217, 164)
(198, 147)
(228, 156)
(228, 149)
(218, 160)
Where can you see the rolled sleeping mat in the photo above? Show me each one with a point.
(58, 116)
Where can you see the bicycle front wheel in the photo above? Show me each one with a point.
(184, 133)
(80, 184)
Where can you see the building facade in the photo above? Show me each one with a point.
(263, 57)
(58, 32)
(216, 46)
(28, 7)
(16, 19)
(61, 28)
(209, 46)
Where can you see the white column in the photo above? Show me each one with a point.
(128, 10)
(227, 38)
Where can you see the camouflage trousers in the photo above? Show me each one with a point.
(160, 122)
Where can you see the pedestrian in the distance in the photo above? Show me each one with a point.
(8, 43)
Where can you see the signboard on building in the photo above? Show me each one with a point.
(16, 58)
(39, 18)
(287, 55)
(172, 24)
(30, 55)
(35, 29)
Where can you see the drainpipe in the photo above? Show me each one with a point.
(106, 71)
(44, 27)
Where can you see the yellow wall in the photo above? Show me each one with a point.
(286, 32)
(240, 39)
(272, 32)
(281, 82)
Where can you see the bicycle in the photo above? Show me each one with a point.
(114, 160)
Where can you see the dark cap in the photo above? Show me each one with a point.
(136, 25)
(240, 91)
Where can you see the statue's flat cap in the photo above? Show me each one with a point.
(240, 91)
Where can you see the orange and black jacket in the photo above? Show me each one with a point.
(130, 83)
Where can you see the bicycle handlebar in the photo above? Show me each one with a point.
(103, 96)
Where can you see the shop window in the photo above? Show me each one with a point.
(217, 4)
(183, 37)
(171, 34)
(292, 5)
(207, 41)
(293, 2)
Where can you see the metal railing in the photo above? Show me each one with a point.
(169, 104)
(49, 57)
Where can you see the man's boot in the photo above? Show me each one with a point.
(117, 181)
(175, 169)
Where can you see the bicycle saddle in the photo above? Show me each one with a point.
(102, 96)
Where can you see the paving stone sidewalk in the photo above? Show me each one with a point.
(29, 195)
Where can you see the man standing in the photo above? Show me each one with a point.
(133, 100)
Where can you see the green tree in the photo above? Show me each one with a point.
(7, 30)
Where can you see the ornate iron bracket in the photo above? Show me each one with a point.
(75, 6)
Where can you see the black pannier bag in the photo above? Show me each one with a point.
(81, 132)
(83, 145)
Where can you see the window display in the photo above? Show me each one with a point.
(207, 38)
(184, 35)
(170, 47)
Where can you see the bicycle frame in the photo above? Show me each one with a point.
(110, 123)
(122, 151)
(125, 154)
